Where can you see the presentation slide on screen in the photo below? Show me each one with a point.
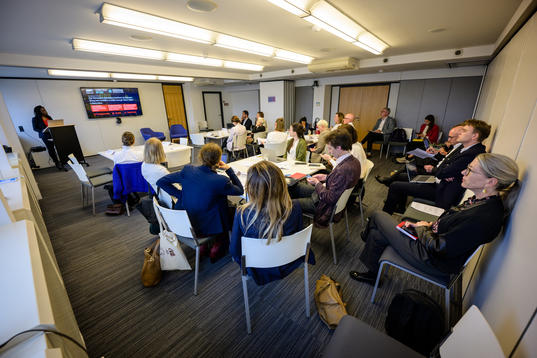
(111, 102)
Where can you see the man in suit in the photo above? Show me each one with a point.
(381, 131)
(447, 190)
(245, 120)
(320, 199)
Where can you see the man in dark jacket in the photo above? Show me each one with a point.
(381, 131)
(245, 120)
(447, 190)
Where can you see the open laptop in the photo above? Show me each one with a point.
(413, 176)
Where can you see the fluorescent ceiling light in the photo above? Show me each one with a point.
(335, 18)
(112, 49)
(196, 60)
(175, 78)
(133, 76)
(243, 66)
(315, 21)
(372, 42)
(292, 56)
(295, 7)
(120, 16)
(68, 73)
(238, 44)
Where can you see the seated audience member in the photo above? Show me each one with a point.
(338, 120)
(125, 155)
(357, 150)
(296, 146)
(259, 123)
(381, 131)
(319, 148)
(429, 131)
(245, 120)
(349, 119)
(304, 123)
(153, 166)
(204, 195)
(447, 190)
(268, 214)
(319, 199)
(237, 130)
(440, 154)
(443, 246)
(279, 134)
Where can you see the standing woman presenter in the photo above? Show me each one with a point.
(40, 124)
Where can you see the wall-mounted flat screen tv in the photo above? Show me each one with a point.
(111, 102)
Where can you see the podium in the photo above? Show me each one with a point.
(66, 142)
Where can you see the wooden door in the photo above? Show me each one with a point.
(175, 106)
(365, 102)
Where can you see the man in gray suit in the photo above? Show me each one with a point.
(381, 131)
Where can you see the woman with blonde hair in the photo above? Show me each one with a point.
(269, 214)
(154, 158)
(442, 247)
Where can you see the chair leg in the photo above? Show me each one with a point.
(93, 199)
(347, 224)
(333, 243)
(196, 271)
(307, 289)
(246, 304)
(127, 207)
(361, 210)
(447, 294)
(387, 150)
(82, 194)
(379, 274)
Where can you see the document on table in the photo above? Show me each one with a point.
(420, 153)
(428, 209)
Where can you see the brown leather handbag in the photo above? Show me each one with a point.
(151, 272)
(328, 300)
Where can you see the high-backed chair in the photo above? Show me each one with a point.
(408, 132)
(391, 257)
(177, 131)
(257, 254)
(148, 133)
(340, 206)
(277, 148)
(177, 221)
(89, 183)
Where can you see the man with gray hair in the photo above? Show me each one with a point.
(381, 131)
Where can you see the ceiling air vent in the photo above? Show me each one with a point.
(334, 65)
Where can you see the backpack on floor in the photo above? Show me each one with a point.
(415, 320)
(398, 135)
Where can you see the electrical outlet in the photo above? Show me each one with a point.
(21, 129)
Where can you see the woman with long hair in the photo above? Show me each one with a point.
(154, 158)
(442, 247)
(296, 145)
(40, 124)
(268, 214)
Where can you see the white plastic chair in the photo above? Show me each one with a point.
(91, 172)
(197, 139)
(87, 183)
(277, 148)
(257, 254)
(369, 167)
(183, 141)
(239, 145)
(341, 205)
(177, 221)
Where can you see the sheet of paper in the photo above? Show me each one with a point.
(420, 153)
(428, 209)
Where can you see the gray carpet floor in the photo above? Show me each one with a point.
(100, 258)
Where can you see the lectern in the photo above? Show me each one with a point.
(66, 142)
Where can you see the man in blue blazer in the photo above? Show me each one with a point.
(447, 191)
(381, 131)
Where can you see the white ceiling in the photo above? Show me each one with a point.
(44, 28)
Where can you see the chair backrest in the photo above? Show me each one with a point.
(176, 221)
(369, 167)
(259, 135)
(79, 171)
(277, 148)
(166, 199)
(146, 133)
(239, 141)
(197, 138)
(440, 137)
(408, 132)
(342, 201)
(178, 129)
(127, 178)
(471, 336)
(73, 159)
(472, 256)
(183, 141)
(260, 255)
(308, 156)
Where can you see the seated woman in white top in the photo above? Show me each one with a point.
(279, 134)
(152, 168)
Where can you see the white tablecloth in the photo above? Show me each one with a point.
(176, 154)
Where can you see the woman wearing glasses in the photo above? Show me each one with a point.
(444, 246)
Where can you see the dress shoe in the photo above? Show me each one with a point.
(402, 160)
(383, 180)
(369, 154)
(367, 277)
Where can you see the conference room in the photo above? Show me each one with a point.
(85, 83)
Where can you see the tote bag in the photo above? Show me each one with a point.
(172, 256)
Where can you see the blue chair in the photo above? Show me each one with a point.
(127, 178)
(148, 133)
(177, 131)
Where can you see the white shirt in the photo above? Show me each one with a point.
(336, 126)
(152, 173)
(237, 130)
(358, 152)
(276, 137)
(450, 152)
(381, 125)
(340, 159)
(127, 155)
(292, 151)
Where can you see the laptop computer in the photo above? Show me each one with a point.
(413, 176)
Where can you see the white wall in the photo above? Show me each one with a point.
(505, 288)
(63, 100)
(239, 100)
(272, 110)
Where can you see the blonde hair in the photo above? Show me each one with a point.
(154, 151)
(268, 198)
(505, 170)
(280, 125)
(322, 123)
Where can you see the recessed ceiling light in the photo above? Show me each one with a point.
(201, 5)
(113, 49)
(437, 29)
(141, 37)
(70, 73)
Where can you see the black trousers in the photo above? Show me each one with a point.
(382, 233)
(306, 196)
(370, 138)
(49, 143)
(399, 191)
